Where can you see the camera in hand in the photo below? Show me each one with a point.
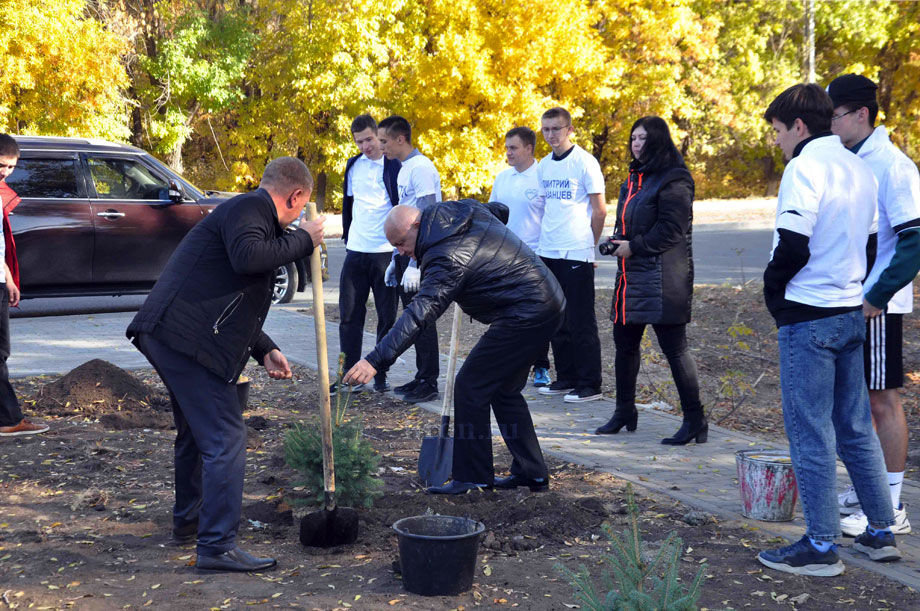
(609, 247)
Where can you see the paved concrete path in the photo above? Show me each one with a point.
(702, 476)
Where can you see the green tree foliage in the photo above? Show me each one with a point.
(356, 481)
(195, 70)
(316, 65)
(636, 579)
(60, 71)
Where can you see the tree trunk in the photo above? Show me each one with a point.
(319, 192)
(810, 40)
(175, 159)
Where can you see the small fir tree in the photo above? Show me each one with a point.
(356, 482)
(632, 584)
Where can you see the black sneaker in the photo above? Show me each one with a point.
(879, 547)
(557, 388)
(583, 394)
(407, 387)
(801, 558)
(381, 386)
(422, 392)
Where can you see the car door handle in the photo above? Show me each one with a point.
(110, 214)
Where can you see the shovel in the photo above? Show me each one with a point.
(435, 459)
(330, 526)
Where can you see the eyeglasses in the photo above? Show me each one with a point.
(553, 130)
(835, 117)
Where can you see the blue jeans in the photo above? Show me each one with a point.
(826, 406)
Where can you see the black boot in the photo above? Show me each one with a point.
(622, 416)
(691, 429)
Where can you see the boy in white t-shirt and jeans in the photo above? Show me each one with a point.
(419, 185)
(573, 219)
(813, 289)
(888, 288)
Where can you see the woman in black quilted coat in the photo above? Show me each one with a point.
(655, 277)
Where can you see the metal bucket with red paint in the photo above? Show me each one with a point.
(767, 483)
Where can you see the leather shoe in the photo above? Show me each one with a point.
(455, 487)
(540, 484)
(185, 535)
(235, 560)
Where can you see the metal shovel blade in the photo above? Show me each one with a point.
(436, 456)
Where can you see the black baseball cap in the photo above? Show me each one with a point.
(851, 88)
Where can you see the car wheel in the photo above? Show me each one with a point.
(285, 284)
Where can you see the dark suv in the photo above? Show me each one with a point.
(99, 218)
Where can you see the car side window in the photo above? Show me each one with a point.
(44, 178)
(125, 179)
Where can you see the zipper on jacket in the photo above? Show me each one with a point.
(629, 195)
(228, 311)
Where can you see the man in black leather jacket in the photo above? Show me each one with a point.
(467, 255)
(199, 326)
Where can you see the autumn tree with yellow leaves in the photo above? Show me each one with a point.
(61, 72)
(220, 87)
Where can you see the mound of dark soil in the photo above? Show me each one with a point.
(99, 389)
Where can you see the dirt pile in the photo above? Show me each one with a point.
(99, 389)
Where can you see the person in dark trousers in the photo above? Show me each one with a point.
(467, 255)
(12, 422)
(654, 283)
(813, 288)
(199, 326)
(572, 186)
(518, 187)
(370, 192)
(419, 185)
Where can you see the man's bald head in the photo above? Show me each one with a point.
(401, 228)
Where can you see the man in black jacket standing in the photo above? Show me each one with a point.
(199, 326)
(369, 193)
(467, 255)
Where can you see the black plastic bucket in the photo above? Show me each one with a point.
(438, 553)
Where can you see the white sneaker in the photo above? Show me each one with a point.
(583, 394)
(848, 502)
(856, 524)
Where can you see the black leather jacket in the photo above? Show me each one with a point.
(212, 297)
(467, 255)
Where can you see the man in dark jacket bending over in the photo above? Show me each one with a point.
(467, 255)
(199, 326)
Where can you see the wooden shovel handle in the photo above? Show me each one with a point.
(322, 364)
(452, 361)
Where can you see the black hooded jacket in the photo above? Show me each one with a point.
(655, 213)
(467, 255)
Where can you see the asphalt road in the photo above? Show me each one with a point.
(720, 256)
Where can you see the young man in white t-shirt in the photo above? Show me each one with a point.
(370, 192)
(519, 188)
(888, 290)
(813, 289)
(573, 219)
(419, 185)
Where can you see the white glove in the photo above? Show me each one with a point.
(411, 279)
(389, 276)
